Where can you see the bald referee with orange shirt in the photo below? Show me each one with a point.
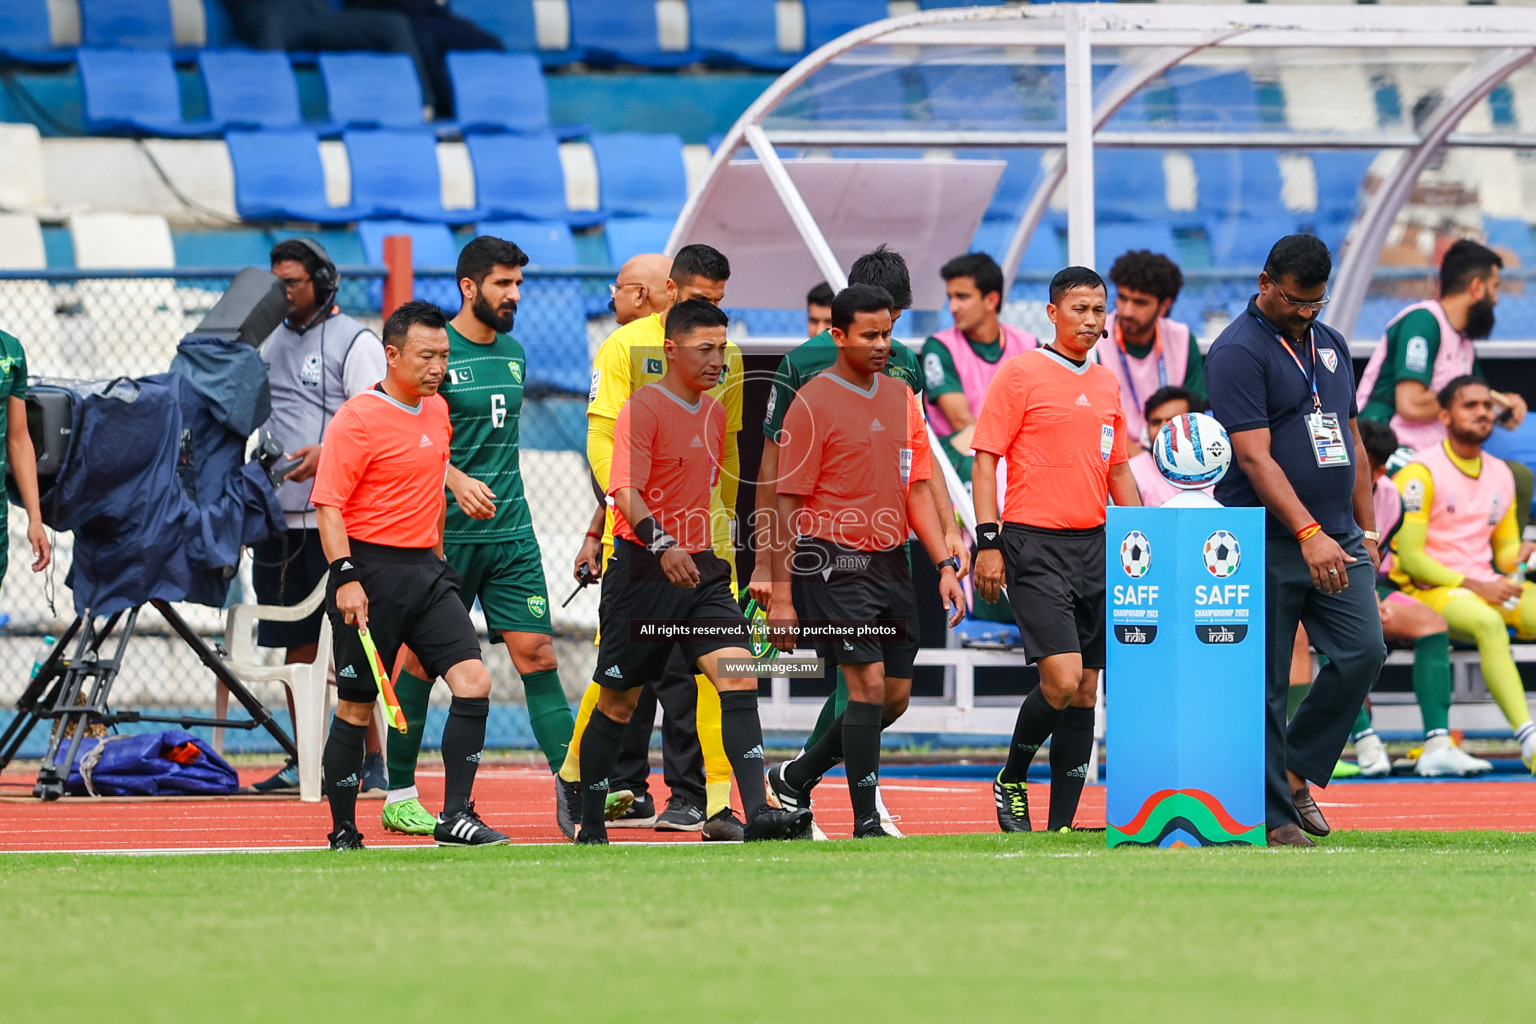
(1057, 419)
(379, 495)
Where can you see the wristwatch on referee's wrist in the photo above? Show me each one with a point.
(1373, 536)
(952, 562)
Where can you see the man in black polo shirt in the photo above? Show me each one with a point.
(1283, 386)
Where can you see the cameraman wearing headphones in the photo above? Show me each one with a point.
(316, 359)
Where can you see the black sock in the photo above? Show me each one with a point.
(741, 734)
(599, 754)
(343, 764)
(1071, 747)
(1037, 720)
(819, 758)
(861, 755)
(463, 739)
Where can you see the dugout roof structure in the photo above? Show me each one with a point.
(846, 97)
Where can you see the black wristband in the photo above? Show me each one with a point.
(344, 570)
(655, 539)
(989, 537)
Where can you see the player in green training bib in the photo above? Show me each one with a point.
(488, 533)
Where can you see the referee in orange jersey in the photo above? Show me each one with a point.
(1057, 420)
(379, 492)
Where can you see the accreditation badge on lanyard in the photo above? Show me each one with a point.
(1328, 444)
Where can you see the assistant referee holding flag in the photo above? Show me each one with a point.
(379, 491)
(1057, 419)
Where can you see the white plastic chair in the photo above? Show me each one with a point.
(307, 683)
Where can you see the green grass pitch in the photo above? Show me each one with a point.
(1404, 926)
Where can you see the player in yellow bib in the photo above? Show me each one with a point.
(632, 357)
(1459, 537)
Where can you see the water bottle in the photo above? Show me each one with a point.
(1518, 579)
(41, 656)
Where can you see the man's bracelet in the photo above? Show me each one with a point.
(1372, 536)
(989, 537)
(656, 540)
(1307, 532)
(344, 570)
(594, 536)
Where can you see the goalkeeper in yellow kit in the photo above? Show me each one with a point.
(630, 358)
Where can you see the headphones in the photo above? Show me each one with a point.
(323, 276)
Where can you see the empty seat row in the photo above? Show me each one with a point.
(279, 176)
(721, 32)
(136, 91)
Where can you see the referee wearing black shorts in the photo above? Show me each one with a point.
(1057, 420)
(379, 491)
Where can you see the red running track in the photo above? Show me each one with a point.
(520, 802)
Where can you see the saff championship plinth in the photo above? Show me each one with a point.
(1184, 684)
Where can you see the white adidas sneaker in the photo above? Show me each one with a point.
(1441, 757)
(887, 819)
(1372, 757)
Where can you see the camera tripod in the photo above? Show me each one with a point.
(76, 689)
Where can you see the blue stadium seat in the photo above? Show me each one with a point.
(934, 5)
(825, 20)
(1110, 240)
(395, 172)
(1238, 183)
(26, 34)
(511, 21)
(134, 24)
(742, 33)
(1211, 96)
(279, 176)
(134, 91)
(1043, 254)
(631, 236)
(1243, 243)
(250, 88)
(1340, 174)
(1017, 182)
(521, 176)
(432, 247)
(609, 32)
(972, 95)
(502, 92)
(640, 175)
(548, 243)
(1129, 184)
(371, 90)
(1514, 235)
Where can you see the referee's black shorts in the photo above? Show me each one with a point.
(637, 591)
(413, 599)
(849, 585)
(1056, 590)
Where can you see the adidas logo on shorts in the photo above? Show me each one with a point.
(426, 442)
(348, 673)
(1082, 400)
(869, 780)
(613, 672)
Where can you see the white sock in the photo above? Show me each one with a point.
(880, 804)
(1526, 734)
(396, 796)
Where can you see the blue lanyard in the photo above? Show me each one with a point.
(1125, 365)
